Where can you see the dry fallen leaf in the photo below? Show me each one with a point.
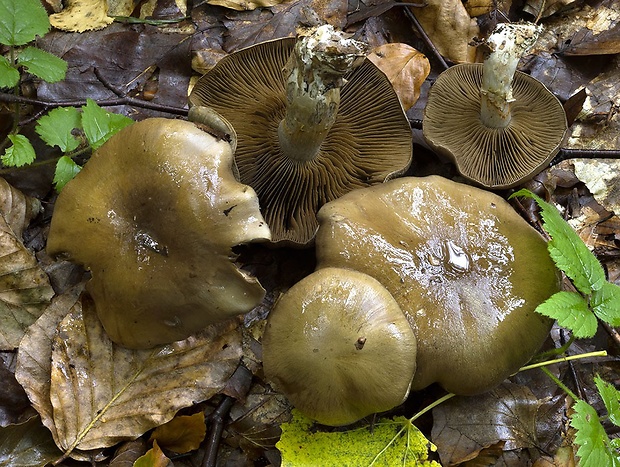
(450, 28)
(182, 434)
(102, 393)
(16, 208)
(602, 177)
(544, 8)
(405, 67)
(244, 5)
(82, 15)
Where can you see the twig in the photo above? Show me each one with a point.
(427, 40)
(218, 419)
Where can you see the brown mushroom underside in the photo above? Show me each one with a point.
(369, 143)
(493, 157)
(462, 264)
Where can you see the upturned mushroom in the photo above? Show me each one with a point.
(464, 267)
(339, 347)
(499, 126)
(309, 129)
(154, 215)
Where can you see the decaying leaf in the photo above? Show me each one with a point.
(24, 288)
(450, 28)
(405, 67)
(154, 457)
(101, 393)
(602, 177)
(82, 15)
(479, 7)
(26, 444)
(544, 8)
(244, 5)
(464, 426)
(182, 434)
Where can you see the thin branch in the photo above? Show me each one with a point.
(427, 40)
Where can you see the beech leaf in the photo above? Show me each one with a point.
(182, 434)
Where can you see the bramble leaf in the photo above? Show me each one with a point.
(568, 251)
(611, 399)
(66, 169)
(595, 448)
(571, 311)
(21, 21)
(605, 303)
(43, 64)
(99, 125)
(9, 76)
(57, 126)
(390, 442)
(21, 153)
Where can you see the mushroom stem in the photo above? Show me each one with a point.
(507, 44)
(315, 70)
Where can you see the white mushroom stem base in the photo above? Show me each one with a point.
(508, 43)
(316, 69)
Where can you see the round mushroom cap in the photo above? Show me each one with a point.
(369, 143)
(464, 267)
(153, 215)
(493, 157)
(339, 347)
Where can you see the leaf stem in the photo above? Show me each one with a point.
(429, 407)
(560, 384)
(600, 353)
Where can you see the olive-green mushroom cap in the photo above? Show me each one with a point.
(493, 157)
(369, 143)
(464, 267)
(339, 347)
(154, 215)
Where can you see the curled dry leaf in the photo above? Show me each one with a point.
(405, 67)
(82, 15)
(244, 5)
(450, 28)
(24, 288)
(101, 393)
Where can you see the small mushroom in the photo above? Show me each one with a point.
(464, 267)
(498, 131)
(154, 215)
(339, 347)
(309, 128)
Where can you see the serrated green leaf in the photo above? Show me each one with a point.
(9, 76)
(21, 153)
(21, 21)
(43, 64)
(605, 303)
(568, 251)
(100, 125)
(611, 399)
(66, 169)
(57, 126)
(571, 311)
(388, 443)
(595, 449)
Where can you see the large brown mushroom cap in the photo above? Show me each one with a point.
(369, 143)
(493, 157)
(340, 348)
(464, 267)
(154, 214)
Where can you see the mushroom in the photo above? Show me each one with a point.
(153, 215)
(339, 347)
(464, 267)
(498, 132)
(304, 137)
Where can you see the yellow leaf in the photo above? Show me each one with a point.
(244, 5)
(82, 15)
(154, 457)
(182, 434)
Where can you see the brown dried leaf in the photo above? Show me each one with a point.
(128, 453)
(154, 457)
(544, 8)
(25, 290)
(464, 426)
(405, 67)
(82, 15)
(244, 5)
(479, 7)
(602, 177)
(182, 434)
(450, 28)
(16, 208)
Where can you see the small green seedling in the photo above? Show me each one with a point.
(595, 297)
(21, 21)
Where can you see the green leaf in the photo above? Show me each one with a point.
(66, 169)
(605, 303)
(595, 449)
(387, 443)
(568, 251)
(571, 311)
(9, 76)
(43, 64)
(57, 126)
(611, 399)
(21, 153)
(21, 21)
(99, 125)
